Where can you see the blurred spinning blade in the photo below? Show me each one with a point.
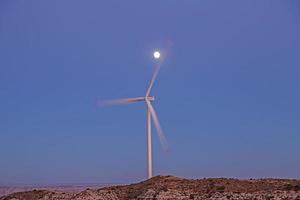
(120, 101)
(160, 132)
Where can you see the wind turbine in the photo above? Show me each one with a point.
(151, 114)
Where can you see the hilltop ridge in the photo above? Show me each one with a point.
(170, 187)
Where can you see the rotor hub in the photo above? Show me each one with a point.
(150, 98)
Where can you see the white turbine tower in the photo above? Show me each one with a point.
(151, 114)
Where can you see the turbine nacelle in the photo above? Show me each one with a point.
(150, 98)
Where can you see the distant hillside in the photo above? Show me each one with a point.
(68, 188)
(169, 187)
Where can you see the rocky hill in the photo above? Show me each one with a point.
(168, 187)
(68, 188)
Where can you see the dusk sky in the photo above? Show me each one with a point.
(227, 95)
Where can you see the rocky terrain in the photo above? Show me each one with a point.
(168, 187)
(73, 189)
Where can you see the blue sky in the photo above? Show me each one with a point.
(227, 94)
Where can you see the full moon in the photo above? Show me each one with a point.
(156, 54)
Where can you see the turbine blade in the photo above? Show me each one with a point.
(160, 132)
(120, 101)
(153, 78)
(162, 58)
